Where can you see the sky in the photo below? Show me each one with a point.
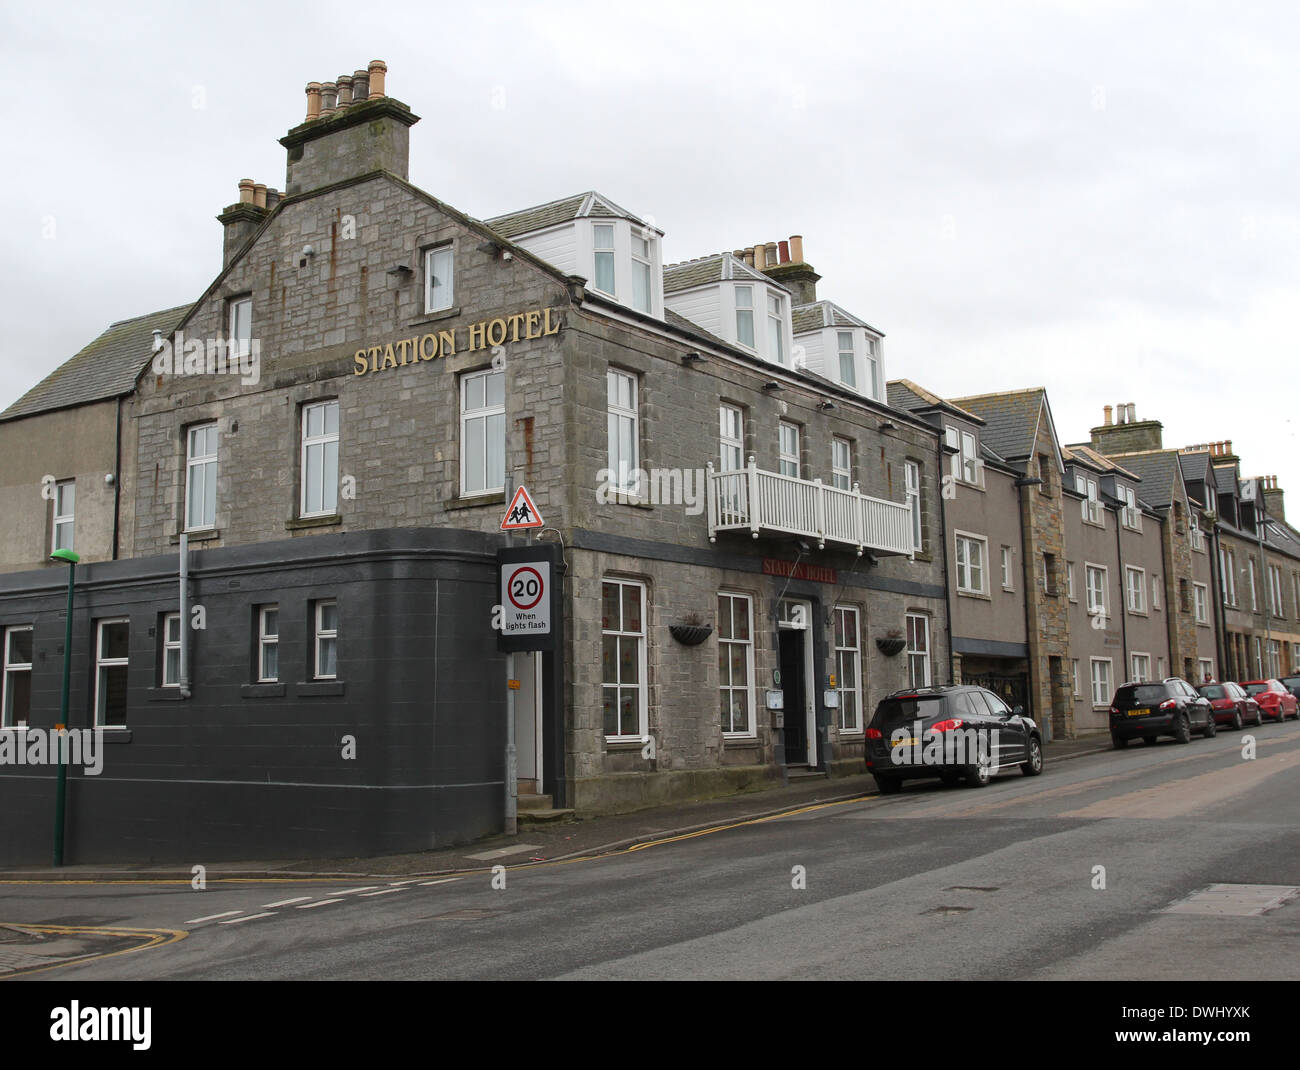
(1097, 197)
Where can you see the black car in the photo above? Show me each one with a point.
(1169, 707)
(1292, 684)
(951, 732)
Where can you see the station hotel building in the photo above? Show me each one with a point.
(749, 539)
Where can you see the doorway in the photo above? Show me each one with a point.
(528, 721)
(796, 660)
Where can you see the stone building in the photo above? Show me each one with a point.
(746, 538)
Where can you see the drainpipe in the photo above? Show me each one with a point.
(1030, 584)
(1261, 518)
(1123, 596)
(1220, 614)
(943, 541)
(117, 476)
(185, 616)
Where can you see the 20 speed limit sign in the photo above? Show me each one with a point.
(525, 598)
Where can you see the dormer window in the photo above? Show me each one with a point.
(1090, 507)
(745, 316)
(775, 329)
(873, 366)
(848, 373)
(1129, 515)
(603, 244)
(965, 461)
(640, 273)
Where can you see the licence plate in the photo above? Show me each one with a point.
(904, 742)
(1137, 713)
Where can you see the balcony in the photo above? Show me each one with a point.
(767, 503)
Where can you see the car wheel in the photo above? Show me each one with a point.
(1211, 727)
(1259, 717)
(1118, 742)
(889, 785)
(1183, 732)
(1236, 720)
(1034, 760)
(980, 773)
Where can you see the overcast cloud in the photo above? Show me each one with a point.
(1094, 197)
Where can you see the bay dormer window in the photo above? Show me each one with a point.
(602, 235)
(775, 328)
(873, 367)
(848, 362)
(640, 273)
(745, 316)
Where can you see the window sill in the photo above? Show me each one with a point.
(202, 535)
(317, 688)
(1138, 613)
(974, 594)
(466, 501)
(739, 741)
(301, 523)
(267, 689)
(621, 743)
(436, 317)
(164, 694)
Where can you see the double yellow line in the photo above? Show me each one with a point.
(151, 938)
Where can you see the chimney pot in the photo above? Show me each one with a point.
(313, 101)
(378, 69)
(784, 247)
(1107, 410)
(345, 90)
(272, 196)
(748, 255)
(1132, 413)
(796, 248)
(769, 254)
(246, 191)
(329, 95)
(360, 86)
(259, 195)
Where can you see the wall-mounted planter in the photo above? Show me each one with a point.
(890, 646)
(690, 634)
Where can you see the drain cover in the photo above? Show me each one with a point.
(1235, 900)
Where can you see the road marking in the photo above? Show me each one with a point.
(353, 891)
(251, 917)
(445, 880)
(502, 852)
(319, 903)
(383, 891)
(286, 902)
(154, 938)
(213, 917)
(1237, 900)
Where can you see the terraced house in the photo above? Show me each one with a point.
(288, 495)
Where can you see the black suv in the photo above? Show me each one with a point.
(951, 732)
(1169, 707)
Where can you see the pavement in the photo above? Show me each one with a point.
(533, 843)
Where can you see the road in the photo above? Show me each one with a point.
(1069, 875)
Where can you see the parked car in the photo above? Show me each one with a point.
(1169, 707)
(1231, 705)
(1292, 684)
(950, 732)
(1274, 700)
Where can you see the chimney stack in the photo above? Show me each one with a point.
(242, 218)
(784, 262)
(1273, 498)
(1126, 434)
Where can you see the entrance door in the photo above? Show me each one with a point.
(528, 721)
(795, 638)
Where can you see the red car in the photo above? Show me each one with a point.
(1232, 706)
(1275, 701)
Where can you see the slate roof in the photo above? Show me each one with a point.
(106, 368)
(1085, 452)
(673, 319)
(706, 270)
(554, 213)
(807, 318)
(1225, 478)
(910, 397)
(1156, 469)
(821, 314)
(1011, 420)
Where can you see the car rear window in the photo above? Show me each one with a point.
(1291, 681)
(895, 712)
(1255, 689)
(1141, 695)
(1212, 691)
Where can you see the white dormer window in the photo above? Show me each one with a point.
(775, 329)
(640, 273)
(848, 371)
(1090, 507)
(745, 316)
(965, 462)
(873, 366)
(1129, 515)
(603, 245)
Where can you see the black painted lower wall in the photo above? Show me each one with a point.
(239, 771)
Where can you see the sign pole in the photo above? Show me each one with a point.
(512, 758)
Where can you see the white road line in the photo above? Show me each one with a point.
(319, 903)
(214, 917)
(385, 891)
(251, 917)
(353, 891)
(411, 881)
(286, 902)
(445, 880)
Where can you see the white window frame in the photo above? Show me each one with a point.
(1201, 600)
(65, 519)
(1091, 507)
(850, 654)
(1155, 591)
(168, 645)
(1135, 593)
(102, 663)
(971, 469)
(475, 422)
(240, 325)
(266, 640)
(731, 438)
(912, 471)
(1107, 682)
(1228, 575)
(209, 463)
(1130, 516)
(1096, 605)
(842, 463)
(642, 267)
(745, 314)
(1140, 666)
(1069, 582)
(319, 445)
(439, 278)
(621, 414)
(788, 435)
(321, 634)
(1074, 677)
(1254, 600)
(873, 366)
(1205, 666)
(918, 626)
(965, 567)
(851, 379)
(776, 327)
(12, 668)
(642, 729)
(1008, 581)
(1194, 531)
(609, 251)
(1275, 590)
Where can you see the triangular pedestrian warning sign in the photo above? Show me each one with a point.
(522, 512)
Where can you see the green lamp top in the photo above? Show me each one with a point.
(65, 555)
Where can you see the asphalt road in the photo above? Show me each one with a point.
(1072, 874)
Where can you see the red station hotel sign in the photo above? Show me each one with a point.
(817, 573)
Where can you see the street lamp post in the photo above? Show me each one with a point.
(61, 791)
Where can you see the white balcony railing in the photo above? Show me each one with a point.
(760, 502)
